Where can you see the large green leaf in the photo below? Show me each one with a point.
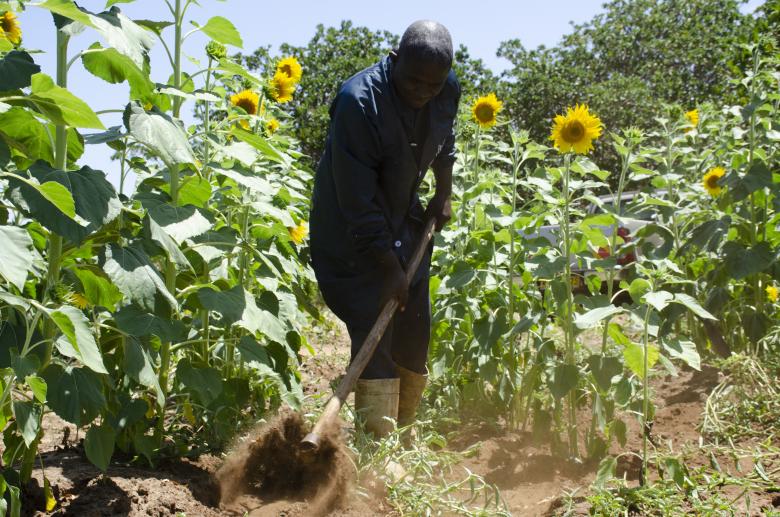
(170, 247)
(262, 145)
(220, 29)
(16, 69)
(206, 383)
(60, 106)
(138, 365)
(115, 67)
(98, 289)
(595, 316)
(253, 353)
(137, 322)
(95, 200)
(634, 358)
(236, 69)
(742, 262)
(238, 306)
(254, 183)
(179, 222)
(75, 394)
(757, 177)
(684, 350)
(28, 419)
(604, 368)
(691, 303)
(68, 9)
(564, 379)
(123, 34)
(80, 342)
(99, 445)
(462, 274)
(659, 300)
(27, 136)
(163, 135)
(130, 269)
(16, 255)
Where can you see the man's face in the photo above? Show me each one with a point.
(417, 81)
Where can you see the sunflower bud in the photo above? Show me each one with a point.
(633, 135)
(216, 50)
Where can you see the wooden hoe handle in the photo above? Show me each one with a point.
(367, 350)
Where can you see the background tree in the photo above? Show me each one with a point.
(627, 63)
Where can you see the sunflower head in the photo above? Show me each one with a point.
(485, 109)
(693, 118)
(299, 233)
(271, 126)
(772, 293)
(282, 87)
(576, 130)
(9, 28)
(291, 68)
(246, 100)
(710, 180)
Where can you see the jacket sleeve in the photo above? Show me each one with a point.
(356, 157)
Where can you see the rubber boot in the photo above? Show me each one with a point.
(412, 386)
(376, 399)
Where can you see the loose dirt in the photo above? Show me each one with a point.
(268, 465)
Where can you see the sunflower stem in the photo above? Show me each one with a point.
(569, 307)
(54, 252)
(645, 397)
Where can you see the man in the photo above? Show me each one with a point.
(389, 124)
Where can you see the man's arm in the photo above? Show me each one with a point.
(439, 206)
(356, 155)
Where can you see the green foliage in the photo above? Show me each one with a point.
(627, 63)
(158, 316)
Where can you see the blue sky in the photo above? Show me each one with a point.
(479, 26)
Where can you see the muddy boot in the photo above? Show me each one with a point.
(412, 386)
(376, 399)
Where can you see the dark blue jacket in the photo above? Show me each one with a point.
(365, 189)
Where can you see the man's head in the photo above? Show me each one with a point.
(422, 62)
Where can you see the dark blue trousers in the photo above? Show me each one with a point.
(355, 300)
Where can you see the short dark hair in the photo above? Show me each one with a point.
(428, 41)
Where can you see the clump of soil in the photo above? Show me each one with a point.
(270, 465)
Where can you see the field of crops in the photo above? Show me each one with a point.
(606, 338)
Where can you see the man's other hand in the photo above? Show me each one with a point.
(394, 280)
(440, 209)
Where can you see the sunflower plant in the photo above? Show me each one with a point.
(174, 309)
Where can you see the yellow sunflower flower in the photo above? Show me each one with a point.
(291, 68)
(282, 87)
(576, 130)
(246, 100)
(772, 293)
(271, 126)
(693, 118)
(710, 180)
(485, 109)
(9, 28)
(299, 233)
(78, 300)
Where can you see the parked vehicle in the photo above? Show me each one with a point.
(632, 219)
